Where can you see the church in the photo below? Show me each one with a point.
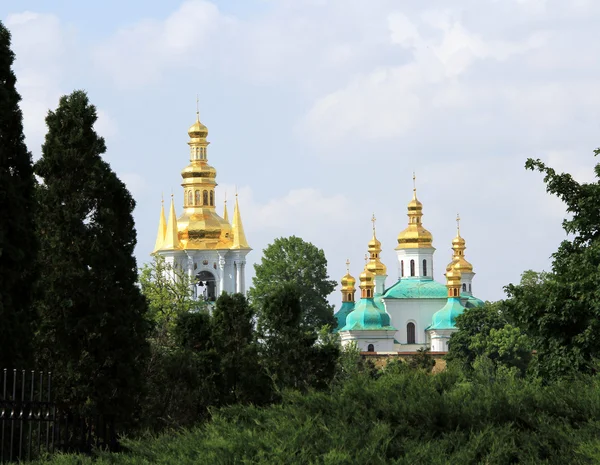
(416, 311)
(208, 247)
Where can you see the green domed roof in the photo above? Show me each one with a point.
(416, 288)
(342, 314)
(366, 316)
(472, 301)
(446, 317)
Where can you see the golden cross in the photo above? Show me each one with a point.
(366, 258)
(348, 266)
(458, 223)
(197, 106)
(373, 219)
(162, 197)
(225, 196)
(414, 182)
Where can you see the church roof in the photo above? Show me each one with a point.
(446, 317)
(472, 301)
(416, 288)
(367, 317)
(342, 314)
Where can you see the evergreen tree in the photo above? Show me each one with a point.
(292, 260)
(242, 377)
(295, 356)
(18, 243)
(93, 316)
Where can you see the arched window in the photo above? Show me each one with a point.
(197, 198)
(197, 153)
(370, 348)
(212, 198)
(349, 297)
(190, 198)
(402, 268)
(424, 267)
(410, 333)
(464, 287)
(205, 198)
(412, 267)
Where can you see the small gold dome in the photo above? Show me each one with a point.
(367, 279)
(458, 241)
(377, 268)
(198, 130)
(348, 282)
(453, 274)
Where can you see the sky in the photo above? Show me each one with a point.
(319, 112)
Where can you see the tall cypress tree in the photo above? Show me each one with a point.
(93, 323)
(17, 235)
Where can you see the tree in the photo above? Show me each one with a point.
(242, 377)
(470, 324)
(18, 241)
(93, 325)
(291, 260)
(561, 312)
(294, 355)
(168, 291)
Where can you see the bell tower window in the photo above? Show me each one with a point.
(212, 198)
(424, 267)
(412, 267)
(402, 268)
(197, 202)
(205, 198)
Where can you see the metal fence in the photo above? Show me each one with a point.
(32, 424)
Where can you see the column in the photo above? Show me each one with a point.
(222, 274)
(243, 277)
(238, 276)
(191, 277)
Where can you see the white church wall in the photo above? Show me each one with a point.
(418, 311)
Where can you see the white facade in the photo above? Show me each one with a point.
(378, 341)
(218, 270)
(415, 262)
(439, 339)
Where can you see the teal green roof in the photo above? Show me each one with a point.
(416, 288)
(378, 302)
(367, 316)
(472, 301)
(342, 313)
(446, 317)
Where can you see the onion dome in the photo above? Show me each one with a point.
(198, 170)
(445, 318)
(415, 236)
(198, 130)
(458, 250)
(374, 264)
(348, 285)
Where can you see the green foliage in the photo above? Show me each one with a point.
(242, 378)
(169, 294)
(485, 332)
(402, 417)
(294, 355)
(18, 241)
(291, 260)
(422, 360)
(93, 325)
(561, 309)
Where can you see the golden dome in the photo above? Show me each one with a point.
(374, 264)
(367, 279)
(415, 236)
(348, 282)
(453, 275)
(198, 170)
(458, 251)
(198, 130)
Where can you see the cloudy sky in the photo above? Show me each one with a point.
(319, 111)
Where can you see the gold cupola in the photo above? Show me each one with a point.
(200, 227)
(458, 251)
(374, 264)
(367, 283)
(453, 279)
(415, 236)
(348, 285)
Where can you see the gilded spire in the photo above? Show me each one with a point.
(458, 250)
(374, 265)
(225, 214)
(162, 227)
(237, 229)
(415, 236)
(348, 285)
(171, 234)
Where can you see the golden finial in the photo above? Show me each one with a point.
(348, 265)
(458, 224)
(197, 107)
(225, 197)
(162, 198)
(373, 219)
(366, 258)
